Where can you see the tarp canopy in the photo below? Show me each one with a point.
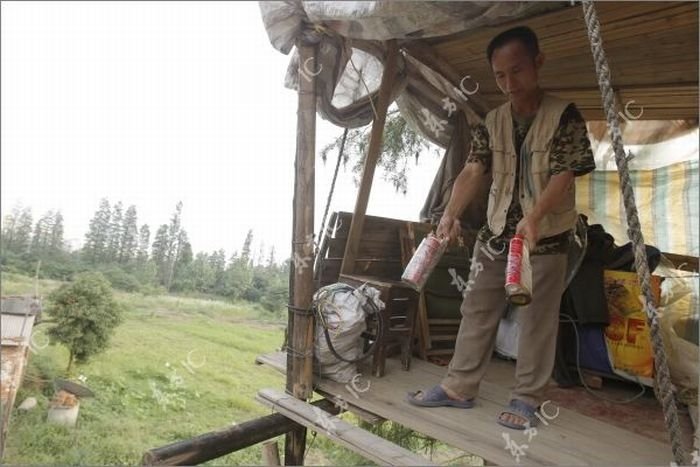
(351, 53)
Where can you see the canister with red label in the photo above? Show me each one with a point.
(518, 272)
(424, 260)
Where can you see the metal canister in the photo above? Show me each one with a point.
(424, 260)
(518, 272)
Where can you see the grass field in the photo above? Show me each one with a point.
(176, 368)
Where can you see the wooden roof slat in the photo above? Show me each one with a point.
(648, 44)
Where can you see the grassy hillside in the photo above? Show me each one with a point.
(177, 367)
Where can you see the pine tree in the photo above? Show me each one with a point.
(98, 233)
(23, 231)
(42, 234)
(56, 244)
(144, 240)
(174, 236)
(245, 251)
(261, 255)
(115, 234)
(9, 228)
(159, 252)
(217, 262)
(184, 258)
(271, 258)
(129, 240)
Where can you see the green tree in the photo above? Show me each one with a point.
(196, 276)
(237, 278)
(144, 240)
(9, 227)
(271, 258)
(56, 244)
(173, 245)
(159, 252)
(217, 263)
(98, 233)
(184, 257)
(86, 315)
(400, 144)
(128, 243)
(23, 231)
(115, 234)
(42, 234)
(245, 251)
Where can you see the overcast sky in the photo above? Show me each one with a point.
(154, 102)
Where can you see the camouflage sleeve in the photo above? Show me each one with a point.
(480, 151)
(571, 148)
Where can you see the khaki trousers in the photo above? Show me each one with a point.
(482, 308)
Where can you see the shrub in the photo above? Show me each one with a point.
(86, 314)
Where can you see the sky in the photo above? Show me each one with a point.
(151, 103)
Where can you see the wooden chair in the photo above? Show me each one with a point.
(436, 327)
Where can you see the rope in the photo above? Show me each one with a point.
(666, 389)
(332, 189)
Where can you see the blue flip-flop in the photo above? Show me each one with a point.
(437, 397)
(521, 409)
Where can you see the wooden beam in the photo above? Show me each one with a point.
(368, 445)
(300, 338)
(373, 151)
(215, 444)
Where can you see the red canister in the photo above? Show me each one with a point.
(518, 272)
(424, 260)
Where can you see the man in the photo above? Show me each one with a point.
(533, 146)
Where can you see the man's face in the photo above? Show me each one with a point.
(516, 71)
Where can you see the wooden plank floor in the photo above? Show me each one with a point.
(570, 439)
(368, 445)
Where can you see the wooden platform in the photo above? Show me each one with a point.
(369, 445)
(570, 438)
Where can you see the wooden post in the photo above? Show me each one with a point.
(373, 151)
(301, 323)
(270, 453)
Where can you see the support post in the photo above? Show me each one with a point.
(270, 453)
(301, 324)
(373, 151)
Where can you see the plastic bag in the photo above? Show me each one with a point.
(341, 309)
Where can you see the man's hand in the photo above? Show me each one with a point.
(527, 227)
(449, 227)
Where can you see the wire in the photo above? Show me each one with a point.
(373, 311)
(309, 447)
(580, 375)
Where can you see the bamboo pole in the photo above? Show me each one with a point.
(301, 323)
(373, 151)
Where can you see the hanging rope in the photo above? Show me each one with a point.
(664, 388)
(330, 196)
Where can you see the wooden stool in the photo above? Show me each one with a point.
(399, 315)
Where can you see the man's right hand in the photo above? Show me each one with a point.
(449, 227)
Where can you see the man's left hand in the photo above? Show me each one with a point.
(527, 227)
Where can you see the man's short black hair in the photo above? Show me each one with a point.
(520, 33)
